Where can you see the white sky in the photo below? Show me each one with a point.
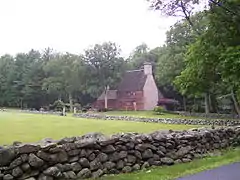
(74, 25)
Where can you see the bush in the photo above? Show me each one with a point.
(86, 108)
(103, 110)
(57, 105)
(159, 110)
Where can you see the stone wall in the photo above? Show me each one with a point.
(216, 122)
(210, 115)
(41, 112)
(94, 155)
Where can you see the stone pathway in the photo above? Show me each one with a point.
(227, 172)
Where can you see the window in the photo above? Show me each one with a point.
(130, 93)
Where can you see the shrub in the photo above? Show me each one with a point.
(159, 110)
(86, 108)
(103, 110)
(57, 105)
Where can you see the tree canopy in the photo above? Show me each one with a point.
(200, 60)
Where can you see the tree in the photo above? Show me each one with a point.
(63, 76)
(171, 56)
(8, 94)
(104, 67)
(34, 79)
(186, 8)
(205, 71)
(179, 37)
(138, 56)
(194, 79)
(142, 54)
(29, 78)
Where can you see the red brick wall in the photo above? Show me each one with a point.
(125, 100)
(100, 104)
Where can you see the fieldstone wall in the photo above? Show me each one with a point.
(216, 122)
(41, 112)
(210, 115)
(94, 155)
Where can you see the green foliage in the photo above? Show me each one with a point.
(142, 54)
(212, 61)
(159, 110)
(58, 105)
(200, 59)
(34, 79)
(103, 110)
(104, 67)
(77, 105)
(171, 56)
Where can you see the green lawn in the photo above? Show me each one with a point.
(180, 170)
(24, 127)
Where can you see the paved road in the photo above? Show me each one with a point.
(228, 172)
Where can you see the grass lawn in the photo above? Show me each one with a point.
(23, 127)
(180, 170)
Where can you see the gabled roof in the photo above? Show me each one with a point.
(167, 101)
(111, 94)
(133, 81)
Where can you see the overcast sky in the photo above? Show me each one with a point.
(74, 25)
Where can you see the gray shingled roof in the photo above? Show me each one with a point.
(111, 94)
(132, 81)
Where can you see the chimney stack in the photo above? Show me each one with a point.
(147, 68)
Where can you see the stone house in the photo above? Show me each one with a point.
(136, 91)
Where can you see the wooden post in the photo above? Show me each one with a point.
(64, 111)
(106, 98)
(135, 106)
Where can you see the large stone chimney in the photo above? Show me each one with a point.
(147, 68)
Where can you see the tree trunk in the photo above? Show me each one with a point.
(59, 97)
(71, 102)
(235, 102)
(213, 103)
(184, 104)
(21, 103)
(206, 97)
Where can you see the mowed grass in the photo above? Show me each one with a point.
(25, 127)
(180, 170)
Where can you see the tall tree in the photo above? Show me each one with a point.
(179, 37)
(104, 67)
(171, 56)
(141, 54)
(63, 76)
(186, 8)
(205, 69)
(8, 94)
